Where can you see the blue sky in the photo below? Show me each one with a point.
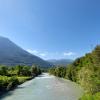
(52, 29)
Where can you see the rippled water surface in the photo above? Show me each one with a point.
(45, 87)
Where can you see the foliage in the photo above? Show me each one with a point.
(58, 71)
(13, 76)
(3, 70)
(85, 71)
(91, 97)
(35, 70)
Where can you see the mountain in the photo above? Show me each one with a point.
(63, 62)
(11, 54)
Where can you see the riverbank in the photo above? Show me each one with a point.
(45, 87)
(11, 77)
(10, 83)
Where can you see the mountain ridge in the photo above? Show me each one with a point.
(63, 62)
(12, 54)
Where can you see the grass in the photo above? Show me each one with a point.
(23, 79)
(91, 97)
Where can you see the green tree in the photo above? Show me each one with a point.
(3, 70)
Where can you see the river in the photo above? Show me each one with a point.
(45, 87)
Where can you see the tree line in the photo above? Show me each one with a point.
(84, 71)
(10, 77)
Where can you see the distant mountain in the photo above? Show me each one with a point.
(63, 62)
(11, 54)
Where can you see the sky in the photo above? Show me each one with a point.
(52, 29)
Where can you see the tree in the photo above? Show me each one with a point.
(35, 70)
(3, 70)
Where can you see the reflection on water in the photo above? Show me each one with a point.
(45, 87)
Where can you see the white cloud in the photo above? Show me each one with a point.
(51, 55)
(32, 51)
(35, 52)
(43, 54)
(68, 53)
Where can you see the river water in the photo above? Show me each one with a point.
(45, 87)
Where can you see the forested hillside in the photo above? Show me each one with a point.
(86, 72)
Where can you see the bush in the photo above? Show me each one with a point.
(12, 83)
(91, 97)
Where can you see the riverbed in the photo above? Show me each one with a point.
(45, 87)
